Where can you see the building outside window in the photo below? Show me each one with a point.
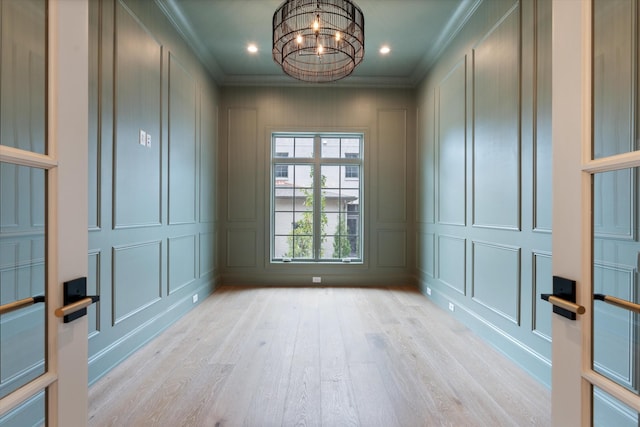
(282, 171)
(351, 171)
(316, 217)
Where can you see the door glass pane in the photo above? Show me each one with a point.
(615, 274)
(614, 87)
(608, 411)
(22, 74)
(22, 274)
(30, 413)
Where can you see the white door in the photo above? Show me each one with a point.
(596, 236)
(43, 209)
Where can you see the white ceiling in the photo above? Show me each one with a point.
(416, 30)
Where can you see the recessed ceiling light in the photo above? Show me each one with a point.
(252, 48)
(385, 49)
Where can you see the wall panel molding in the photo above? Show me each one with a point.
(182, 144)
(206, 254)
(452, 262)
(426, 254)
(181, 273)
(137, 169)
(93, 288)
(451, 145)
(134, 288)
(542, 284)
(208, 120)
(392, 248)
(496, 278)
(392, 157)
(242, 164)
(238, 243)
(542, 179)
(496, 125)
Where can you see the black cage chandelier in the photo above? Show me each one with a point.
(318, 40)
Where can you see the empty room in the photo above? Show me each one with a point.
(319, 212)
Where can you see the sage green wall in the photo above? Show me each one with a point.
(484, 179)
(248, 116)
(151, 208)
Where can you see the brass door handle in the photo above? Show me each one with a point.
(75, 300)
(563, 303)
(563, 298)
(618, 302)
(17, 305)
(76, 306)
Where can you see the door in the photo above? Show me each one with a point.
(596, 218)
(43, 209)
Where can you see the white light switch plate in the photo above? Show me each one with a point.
(143, 138)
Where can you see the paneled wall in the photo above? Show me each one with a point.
(249, 115)
(483, 207)
(152, 144)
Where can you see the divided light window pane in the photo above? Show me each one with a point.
(296, 147)
(316, 219)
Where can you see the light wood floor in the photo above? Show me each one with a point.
(317, 356)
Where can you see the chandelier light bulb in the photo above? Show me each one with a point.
(299, 39)
(316, 24)
(320, 49)
(338, 36)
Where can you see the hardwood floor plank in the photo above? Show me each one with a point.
(336, 394)
(374, 404)
(302, 405)
(353, 328)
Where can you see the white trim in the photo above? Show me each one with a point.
(17, 156)
(614, 389)
(26, 392)
(585, 238)
(617, 162)
(67, 197)
(571, 130)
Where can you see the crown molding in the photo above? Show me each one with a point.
(351, 81)
(455, 24)
(174, 14)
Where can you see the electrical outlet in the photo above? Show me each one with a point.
(148, 140)
(452, 307)
(316, 279)
(195, 298)
(142, 138)
(428, 290)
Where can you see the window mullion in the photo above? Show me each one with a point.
(317, 197)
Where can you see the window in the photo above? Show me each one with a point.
(315, 198)
(282, 171)
(351, 171)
